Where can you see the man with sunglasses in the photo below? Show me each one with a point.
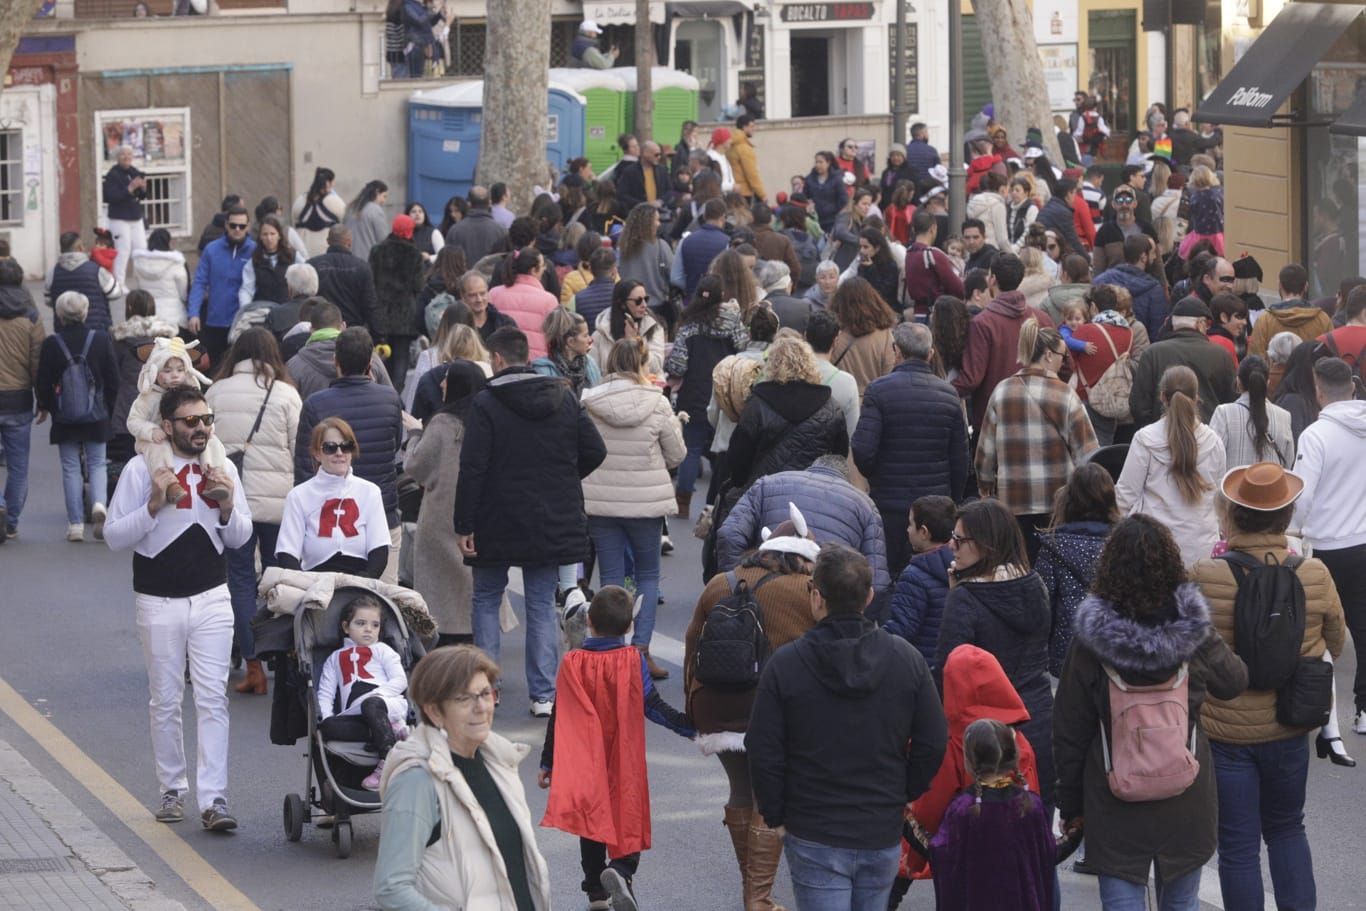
(217, 279)
(183, 610)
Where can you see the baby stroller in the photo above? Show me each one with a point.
(339, 766)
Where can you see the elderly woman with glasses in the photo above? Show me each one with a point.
(334, 522)
(1034, 432)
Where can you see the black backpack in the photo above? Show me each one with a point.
(732, 648)
(79, 397)
(1268, 618)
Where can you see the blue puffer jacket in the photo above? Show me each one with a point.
(1067, 564)
(835, 510)
(217, 279)
(911, 440)
(1150, 299)
(374, 412)
(917, 606)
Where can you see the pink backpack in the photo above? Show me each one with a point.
(1148, 755)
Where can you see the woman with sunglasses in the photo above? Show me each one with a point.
(997, 603)
(334, 522)
(629, 317)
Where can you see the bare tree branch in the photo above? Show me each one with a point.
(15, 15)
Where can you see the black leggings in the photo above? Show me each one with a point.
(736, 766)
(1347, 566)
(371, 726)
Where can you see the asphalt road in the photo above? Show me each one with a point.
(70, 648)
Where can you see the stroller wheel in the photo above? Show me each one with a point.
(294, 817)
(341, 836)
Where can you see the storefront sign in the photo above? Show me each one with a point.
(1059, 74)
(1055, 22)
(826, 12)
(912, 66)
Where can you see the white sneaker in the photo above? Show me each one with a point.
(75, 532)
(1360, 725)
(542, 709)
(97, 515)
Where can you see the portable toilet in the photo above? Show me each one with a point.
(444, 127)
(675, 94)
(606, 111)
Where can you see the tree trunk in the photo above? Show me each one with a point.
(14, 18)
(513, 138)
(1018, 90)
(645, 59)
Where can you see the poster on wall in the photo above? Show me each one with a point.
(157, 137)
(1059, 74)
(1055, 22)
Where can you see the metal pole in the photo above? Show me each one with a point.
(957, 172)
(899, 76)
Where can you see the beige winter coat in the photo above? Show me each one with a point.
(268, 472)
(439, 572)
(644, 440)
(464, 868)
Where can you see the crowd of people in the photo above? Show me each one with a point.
(981, 489)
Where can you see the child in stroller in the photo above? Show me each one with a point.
(366, 678)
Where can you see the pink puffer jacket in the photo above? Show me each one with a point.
(528, 304)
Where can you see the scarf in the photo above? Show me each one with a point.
(1111, 318)
(324, 335)
(575, 371)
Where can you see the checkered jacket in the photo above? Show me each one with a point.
(1034, 432)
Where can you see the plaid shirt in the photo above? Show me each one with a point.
(1034, 432)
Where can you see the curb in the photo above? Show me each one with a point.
(104, 859)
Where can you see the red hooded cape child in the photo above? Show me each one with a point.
(975, 687)
(600, 789)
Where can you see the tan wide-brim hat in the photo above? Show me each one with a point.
(1263, 486)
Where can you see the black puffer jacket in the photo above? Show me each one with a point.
(785, 427)
(912, 437)
(1010, 619)
(528, 445)
(345, 280)
(375, 414)
(396, 265)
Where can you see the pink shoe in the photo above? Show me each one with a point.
(400, 730)
(371, 782)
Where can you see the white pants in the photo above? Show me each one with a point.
(171, 630)
(128, 236)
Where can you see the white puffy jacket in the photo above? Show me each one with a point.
(268, 473)
(644, 440)
(162, 274)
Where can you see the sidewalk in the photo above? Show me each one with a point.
(53, 857)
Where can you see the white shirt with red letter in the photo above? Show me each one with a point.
(361, 671)
(331, 514)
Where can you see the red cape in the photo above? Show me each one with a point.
(600, 789)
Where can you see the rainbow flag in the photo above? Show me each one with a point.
(1163, 147)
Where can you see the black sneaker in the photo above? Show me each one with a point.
(217, 818)
(619, 888)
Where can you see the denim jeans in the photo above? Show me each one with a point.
(840, 879)
(696, 437)
(242, 582)
(542, 631)
(1261, 797)
(15, 430)
(614, 538)
(73, 485)
(1181, 894)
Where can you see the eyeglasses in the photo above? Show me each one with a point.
(237, 226)
(1124, 200)
(958, 539)
(1062, 353)
(487, 694)
(194, 420)
(641, 299)
(1226, 279)
(348, 446)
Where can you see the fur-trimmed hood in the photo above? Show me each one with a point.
(1132, 646)
(143, 327)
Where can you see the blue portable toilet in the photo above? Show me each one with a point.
(444, 131)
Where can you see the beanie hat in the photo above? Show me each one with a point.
(720, 136)
(403, 227)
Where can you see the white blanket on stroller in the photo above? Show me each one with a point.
(285, 591)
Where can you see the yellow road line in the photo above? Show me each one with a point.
(187, 863)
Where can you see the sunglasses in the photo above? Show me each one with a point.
(638, 300)
(194, 420)
(334, 448)
(236, 226)
(1124, 200)
(1227, 279)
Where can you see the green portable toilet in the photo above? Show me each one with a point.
(607, 110)
(675, 100)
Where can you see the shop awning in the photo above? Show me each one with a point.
(620, 12)
(1352, 122)
(708, 9)
(1278, 61)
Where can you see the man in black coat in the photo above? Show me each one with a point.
(519, 502)
(633, 187)
(375, 414)
(1187, 346)
(345, 279)
(828, 737)
(912, 438)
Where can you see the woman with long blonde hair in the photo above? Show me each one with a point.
(1174, 467)
(1206, 211)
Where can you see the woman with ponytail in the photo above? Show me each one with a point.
(366, 219)
(522, 297)
(1034, 432)
(1174, 467)
(1253, 429)
(316, 211)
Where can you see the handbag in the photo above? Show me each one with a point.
(239, 458)
(1307, 700)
